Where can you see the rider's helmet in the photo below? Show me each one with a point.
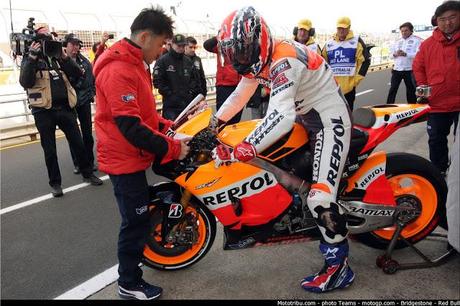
(245, 39)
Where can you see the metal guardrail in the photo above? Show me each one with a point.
(28, 128)
(210, 80)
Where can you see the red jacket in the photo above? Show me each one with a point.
(124, 90)
(226, 75)
(437, 64)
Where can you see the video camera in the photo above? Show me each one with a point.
(20, 42)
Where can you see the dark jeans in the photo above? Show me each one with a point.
(132, 195)
(84, 116)
(438, 127)
(222, 93)
(171, 113)
(46, 122)
(350, 97)
(396, 77)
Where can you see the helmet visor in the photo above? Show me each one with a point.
(242, 54)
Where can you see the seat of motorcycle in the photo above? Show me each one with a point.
(364, 117)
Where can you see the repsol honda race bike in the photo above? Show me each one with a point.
(263, 202)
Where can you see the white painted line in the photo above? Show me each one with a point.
(44, 197)
(91, 286)
(364, 92)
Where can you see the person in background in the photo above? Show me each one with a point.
(403, 51)
(46, 79)
(166, 47)
(226, 80)
(86, 90)
(176, 78)
(99, 47)
(348, 57)
(304, 33)
(437, 64)
(131, 136)
(196, 60)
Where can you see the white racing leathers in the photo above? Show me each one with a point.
(303, 89)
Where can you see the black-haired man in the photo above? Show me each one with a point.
(190, 48)
(437, 64)
(403, 51)
(130, 136)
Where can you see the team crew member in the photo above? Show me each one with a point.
(190, 48)
(303, 90)
(349, 58)
(130, 136)
(437, 64)
(403, 51)
(176, 78)
(305, 34)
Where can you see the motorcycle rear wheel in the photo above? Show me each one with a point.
(171, 256)
(412, 176)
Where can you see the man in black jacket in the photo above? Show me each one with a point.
(196, 60)
(176, 78)
(86, 90)
(52, 98)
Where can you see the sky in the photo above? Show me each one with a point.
(366, 16)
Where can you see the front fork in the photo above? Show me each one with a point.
(182, 222)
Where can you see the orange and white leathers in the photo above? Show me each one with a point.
(303, 89)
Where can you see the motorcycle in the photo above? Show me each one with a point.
(263, 202)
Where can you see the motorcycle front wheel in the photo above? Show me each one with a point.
(175, 256)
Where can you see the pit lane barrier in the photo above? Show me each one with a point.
(26, 131)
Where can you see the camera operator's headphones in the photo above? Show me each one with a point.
(305, 24)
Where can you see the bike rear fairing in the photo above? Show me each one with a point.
(370, 180)
(381, 121)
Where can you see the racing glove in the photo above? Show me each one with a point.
(223, 154)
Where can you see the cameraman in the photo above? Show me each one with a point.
(86, 90)
(44, 75)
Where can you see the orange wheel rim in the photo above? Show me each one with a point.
(185, 256)
(411, 184)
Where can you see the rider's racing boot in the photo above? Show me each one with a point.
(336, 272)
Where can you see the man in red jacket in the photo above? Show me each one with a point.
(130, 136)
(438, 65)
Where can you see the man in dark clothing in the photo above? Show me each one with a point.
(196, 60)
(51, 98)
(176, 78)
(86, 90)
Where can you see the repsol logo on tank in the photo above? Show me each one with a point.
(240, 191)
(317, 154)
(406, 114)
(370, 177)
(337, 149)
(269, 123)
